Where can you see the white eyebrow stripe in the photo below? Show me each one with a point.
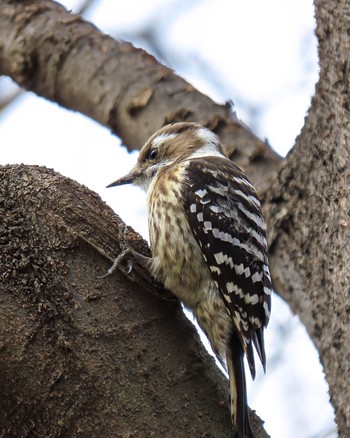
(161, 138)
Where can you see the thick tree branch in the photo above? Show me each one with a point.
(65, 59)
(85, 357)
(308, 208)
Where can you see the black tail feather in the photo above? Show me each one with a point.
(250, 359)
(238, 390)
(258, 339)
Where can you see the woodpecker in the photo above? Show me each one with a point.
(208, 243)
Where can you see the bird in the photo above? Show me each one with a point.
(209, 248)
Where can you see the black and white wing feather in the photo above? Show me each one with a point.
(225, 217)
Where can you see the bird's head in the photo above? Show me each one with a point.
(170, 145)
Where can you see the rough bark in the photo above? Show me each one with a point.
(308, 207)
(88, 357)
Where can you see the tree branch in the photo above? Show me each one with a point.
(85, 357)
(308, 209)
(65, 59)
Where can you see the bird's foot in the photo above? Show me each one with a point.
(125, 251)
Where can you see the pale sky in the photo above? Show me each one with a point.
(261, 54)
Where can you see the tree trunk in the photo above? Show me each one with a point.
(308, 208)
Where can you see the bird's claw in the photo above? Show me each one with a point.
(125, 250)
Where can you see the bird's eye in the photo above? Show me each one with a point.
(152, 154)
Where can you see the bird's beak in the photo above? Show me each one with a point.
(127, 179)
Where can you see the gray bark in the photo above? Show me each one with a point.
(308, 209)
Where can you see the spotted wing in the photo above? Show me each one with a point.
(225, 217)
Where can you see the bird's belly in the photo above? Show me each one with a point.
(177, 259)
